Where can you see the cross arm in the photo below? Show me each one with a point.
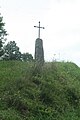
(40, 27)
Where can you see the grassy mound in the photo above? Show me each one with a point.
(31, 92)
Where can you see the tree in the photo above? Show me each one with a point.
(27, 57)
(12, 51)
(3, 33)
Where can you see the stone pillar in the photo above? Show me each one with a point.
(39, 52)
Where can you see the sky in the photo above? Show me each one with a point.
(61, 19)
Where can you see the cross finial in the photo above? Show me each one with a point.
(39, 29)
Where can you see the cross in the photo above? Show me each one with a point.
(39, 29)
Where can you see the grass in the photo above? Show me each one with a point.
(31, 92)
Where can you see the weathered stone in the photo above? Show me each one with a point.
(39, 52)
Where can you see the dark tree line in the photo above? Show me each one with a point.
(11, 50)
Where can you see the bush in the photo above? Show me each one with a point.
(32, 92)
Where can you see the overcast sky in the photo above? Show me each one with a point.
(61, 19)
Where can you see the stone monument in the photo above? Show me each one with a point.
(39, 51)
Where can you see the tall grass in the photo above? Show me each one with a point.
(29, 91)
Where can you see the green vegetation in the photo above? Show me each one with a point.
(31, 92)
(11, 50)
(3, 34)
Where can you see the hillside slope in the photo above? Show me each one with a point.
(29, 92)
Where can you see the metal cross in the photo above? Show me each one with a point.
(39, 29)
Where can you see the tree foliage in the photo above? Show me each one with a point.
(3, 33)
(12, 51)
(27, 57)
